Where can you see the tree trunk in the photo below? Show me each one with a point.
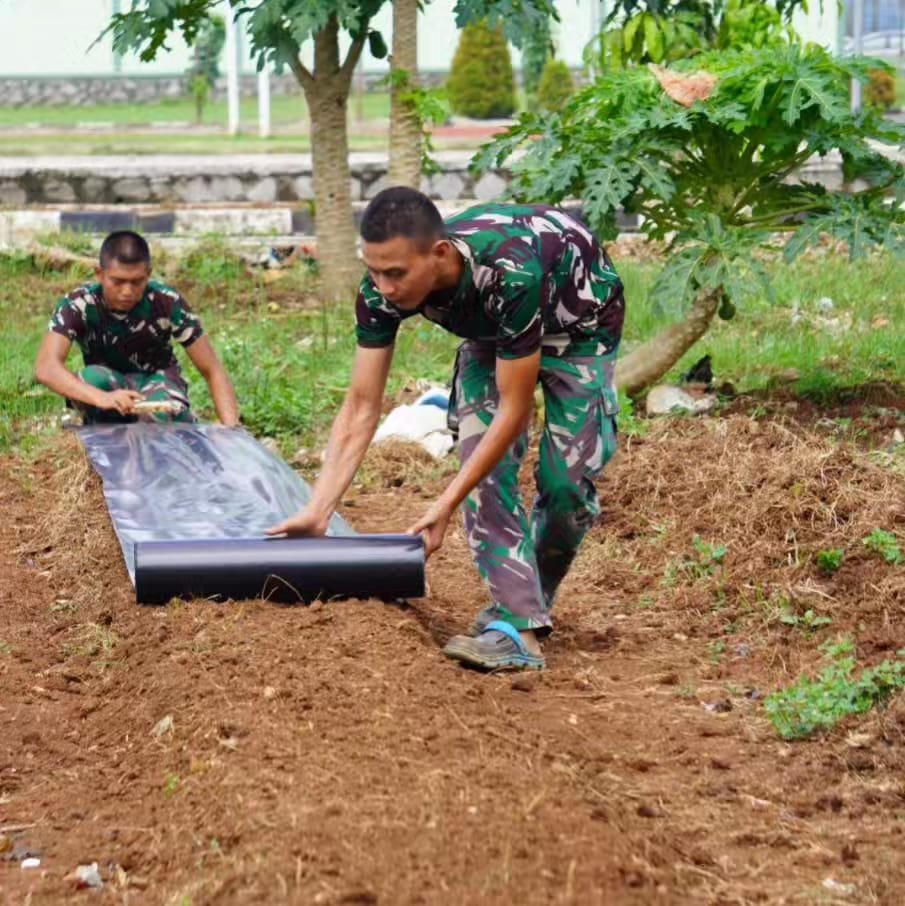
(405, 129)
(327, 93)
(650, 361)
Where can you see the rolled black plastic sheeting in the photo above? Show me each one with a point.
(288, 570)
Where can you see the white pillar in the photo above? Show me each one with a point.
(264, 102)
(858, 47)
(232, 73)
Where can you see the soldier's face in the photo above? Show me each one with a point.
(404, 273)
(123, 284)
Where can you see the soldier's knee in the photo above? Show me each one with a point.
(563, 494)
(102, 377)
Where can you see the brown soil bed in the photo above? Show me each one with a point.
(329, 754)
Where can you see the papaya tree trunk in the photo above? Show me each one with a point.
(327, 90)
(405, 128)
(650, 361)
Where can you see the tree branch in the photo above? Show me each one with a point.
(301, 73)
(352, 58)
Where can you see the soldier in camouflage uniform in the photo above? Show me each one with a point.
(125, 325)
(536, 300)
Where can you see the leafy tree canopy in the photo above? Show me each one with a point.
(279, 28)
(716, 179)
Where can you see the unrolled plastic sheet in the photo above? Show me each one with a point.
(189, 504)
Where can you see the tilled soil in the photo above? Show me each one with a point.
(252, 753)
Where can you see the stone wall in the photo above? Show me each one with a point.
(89, 91)
(249, 178)
(259, 179)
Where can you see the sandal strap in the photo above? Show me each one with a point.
(507, 629)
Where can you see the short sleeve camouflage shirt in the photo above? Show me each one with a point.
(139, 340)
(530, 272)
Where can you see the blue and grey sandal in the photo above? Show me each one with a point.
(483, 620)
(498, 647)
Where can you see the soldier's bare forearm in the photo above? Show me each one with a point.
(61, 380)
(508, 423)
(349, 439)
(224, 397)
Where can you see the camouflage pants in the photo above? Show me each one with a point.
(157, 387)
(524, 560)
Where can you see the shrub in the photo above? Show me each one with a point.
(556, 86)
(481, 84)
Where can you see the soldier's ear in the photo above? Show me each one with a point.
(98, 271)
(441, 248)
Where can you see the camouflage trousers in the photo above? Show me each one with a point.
(156, 386)
(522, 559)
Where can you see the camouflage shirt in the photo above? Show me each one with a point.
(139, 340)
(531, 272)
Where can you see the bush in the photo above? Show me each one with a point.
(556, 86)
(881, 89)
(481, 84)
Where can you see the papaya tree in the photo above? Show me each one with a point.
(708, 152)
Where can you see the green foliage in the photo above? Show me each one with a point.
(707, 559)
(276, 29)
(807, 621)
(886, 545)
(711, 178)
(171, 784)
(663, 31)
(481, 83)
(556, 86)
(429, 106)
(809, 705)
(536, 49)
(829, 561)
(205, 65)
(520, 20)
(881, 89)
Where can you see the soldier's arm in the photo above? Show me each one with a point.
(51, 371)
(205, 359)
(350, 436)
(516, 380)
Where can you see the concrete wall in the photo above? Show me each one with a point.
(255, 179)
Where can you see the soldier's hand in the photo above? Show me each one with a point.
(303, 523)
(432, 527)
(120, 400)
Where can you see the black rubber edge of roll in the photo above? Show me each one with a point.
(288, 570)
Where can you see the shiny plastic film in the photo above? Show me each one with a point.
(189, 504)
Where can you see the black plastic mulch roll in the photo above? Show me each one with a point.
(190, 504)
(282, 569)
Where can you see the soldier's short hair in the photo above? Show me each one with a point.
(125, 247)
(400, 211)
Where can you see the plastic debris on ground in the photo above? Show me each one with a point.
(422, 422)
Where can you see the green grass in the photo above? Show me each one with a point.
(761, 342)
(290, 357)
(285, 110)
